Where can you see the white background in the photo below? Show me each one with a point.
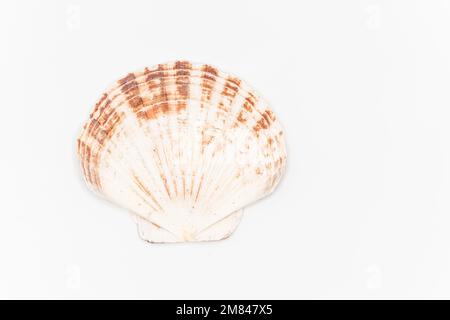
(361, 87)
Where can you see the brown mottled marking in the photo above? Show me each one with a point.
(105, 113)
(247, 106)
(260, 124)
(266, 118)
(136, 103)
(241, 118)
(147, 114)
(129, 85)
(208, 77)
(103, 109)
(104, 127)
(251, 99)
(86, 157)
(183, 74)
(152, 84)
(163, 93)
(270, 114)
(130, 88)
(208, 81)
(181, 105)
(90, 157)
(154, 110)
(92, 124)
(165, 107)
(230, 91)
(210, 69)
(252, 95)
(154, 75)
(258, 171)
(100, 129)
(182, 83)
(235, 81)
(207, 89)
(160, 102)
(97, 105)
(183, 65)
(129, 77)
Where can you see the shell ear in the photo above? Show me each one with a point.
(219, 230)
(184, 147)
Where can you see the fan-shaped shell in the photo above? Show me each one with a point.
(184, 147)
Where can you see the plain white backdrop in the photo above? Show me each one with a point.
(361, 87)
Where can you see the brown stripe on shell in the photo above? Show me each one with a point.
(247, 108)
(266, 117)
(100, 129)
(241, 118)
(164, 98)
(104, 127)
(130, 88)
(209, 76)
(270, 114)
(146, 191)
(208, 82)
(183, 65)
(98, 104)
(159, 103)
(249, 103)
(90, 165)
(128, 82)
(199, 188)
(85, 152)
(166, 186)
(192, 184)
(166, 70)
(182, 81)
(264, 122)
(230, 90)
(235, 81)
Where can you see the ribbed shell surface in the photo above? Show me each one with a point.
(184, 147)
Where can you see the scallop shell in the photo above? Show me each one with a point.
(184, 147)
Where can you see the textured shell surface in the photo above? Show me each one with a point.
(184, 147)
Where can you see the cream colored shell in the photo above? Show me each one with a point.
(184, 147)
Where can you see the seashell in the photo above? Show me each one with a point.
(184, 147)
